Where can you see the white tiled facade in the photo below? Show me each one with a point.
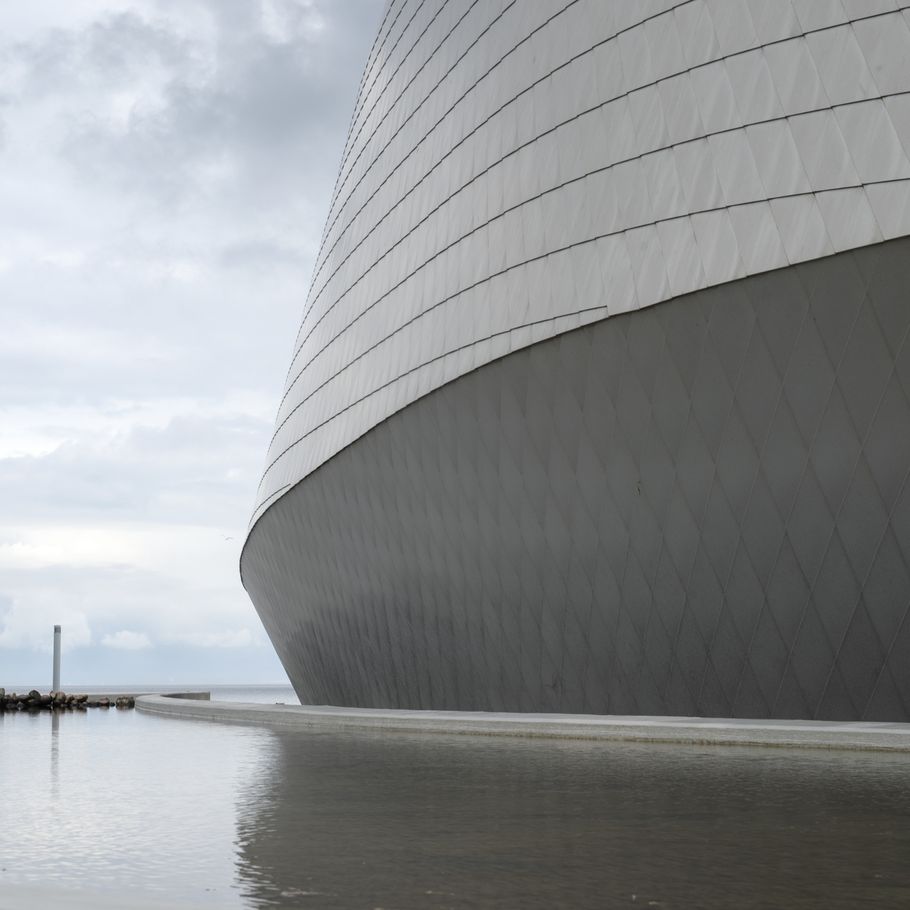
(518, 168)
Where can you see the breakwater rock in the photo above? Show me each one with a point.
(33, 700)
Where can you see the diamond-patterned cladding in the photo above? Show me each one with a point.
(696, 509)
(518, 169)
(700, 507)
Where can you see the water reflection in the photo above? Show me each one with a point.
(129, 808)
(112, 805)
(397, 821)
(55, 755)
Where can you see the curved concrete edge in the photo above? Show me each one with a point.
(199, 695)
(893, 737)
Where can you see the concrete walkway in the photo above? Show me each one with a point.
(693, 730)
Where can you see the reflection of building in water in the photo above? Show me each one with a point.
(408, 822)
(601, 400)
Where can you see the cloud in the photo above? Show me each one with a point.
(165, 171)
(28, 624)
(231, 638)
(177, 102)
(125, 640)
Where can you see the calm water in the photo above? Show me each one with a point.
(121, 809)
(267, 695)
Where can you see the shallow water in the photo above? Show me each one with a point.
(121, 808)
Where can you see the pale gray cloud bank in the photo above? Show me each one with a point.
(165, 169)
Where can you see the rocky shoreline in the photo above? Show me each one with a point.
(33, 700)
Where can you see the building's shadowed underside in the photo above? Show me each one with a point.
(697, 508)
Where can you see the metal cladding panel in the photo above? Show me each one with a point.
(699, 508)
(517, 168)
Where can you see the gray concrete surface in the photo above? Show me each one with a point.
(692, 730)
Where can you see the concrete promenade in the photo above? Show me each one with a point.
(692, 730)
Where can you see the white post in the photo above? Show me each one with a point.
(56, 659)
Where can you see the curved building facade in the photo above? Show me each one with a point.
(601, 398)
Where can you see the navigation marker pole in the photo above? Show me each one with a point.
(56, 686)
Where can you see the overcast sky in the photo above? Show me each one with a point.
(165, 171)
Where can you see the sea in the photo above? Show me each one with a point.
(120, 809)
